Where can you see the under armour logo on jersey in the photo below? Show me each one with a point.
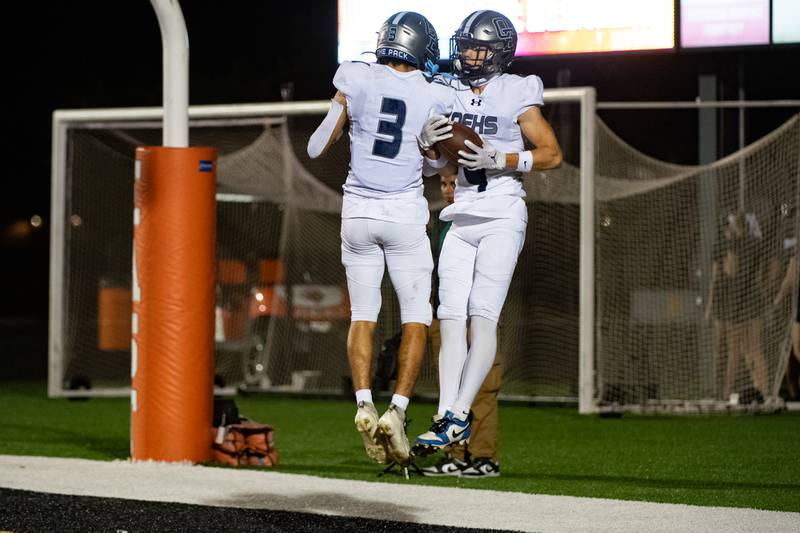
(475, 101)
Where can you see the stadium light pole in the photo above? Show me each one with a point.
(173, 286)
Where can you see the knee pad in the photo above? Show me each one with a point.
(414, 299)
(365, 300)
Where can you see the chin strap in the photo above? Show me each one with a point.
(432, 71)
(431, 68)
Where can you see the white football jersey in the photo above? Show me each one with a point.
(493, 115)
(387, 110)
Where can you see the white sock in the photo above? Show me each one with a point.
(400, 401)
(364, 395)
(482, 349)
(461, 415)
(452, 356)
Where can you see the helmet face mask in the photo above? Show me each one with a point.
(483, 46)
(474, 59)
(407, 37)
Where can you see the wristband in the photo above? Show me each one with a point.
(437, 163)
(525, 161)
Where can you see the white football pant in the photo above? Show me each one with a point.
(476, 265)
(369, 244)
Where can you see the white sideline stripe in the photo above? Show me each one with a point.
(225, 487)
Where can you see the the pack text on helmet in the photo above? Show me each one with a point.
(408, 37)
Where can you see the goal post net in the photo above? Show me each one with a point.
(282, 306)
(689, 261)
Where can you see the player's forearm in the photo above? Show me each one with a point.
(329, 131)
(433, 163)
(547, 157)
(541, 158)
(537, 130)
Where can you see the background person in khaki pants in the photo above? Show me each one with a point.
(479, 457)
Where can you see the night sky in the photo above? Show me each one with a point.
(108, 54)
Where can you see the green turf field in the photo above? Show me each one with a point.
(726, 460)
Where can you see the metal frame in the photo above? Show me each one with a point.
(63, 120)
(736, 104)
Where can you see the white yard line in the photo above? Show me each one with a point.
(387, 501)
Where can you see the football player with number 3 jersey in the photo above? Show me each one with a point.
(389, 105)
(489, 215)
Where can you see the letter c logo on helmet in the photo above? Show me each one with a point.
(483, 30)
(506, 31)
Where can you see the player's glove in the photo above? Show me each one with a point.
(488, 157)
(437, 128)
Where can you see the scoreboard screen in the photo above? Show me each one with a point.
(708, 23)
(785, 21)
(545, 27)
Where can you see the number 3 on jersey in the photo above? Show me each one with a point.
(392, 128)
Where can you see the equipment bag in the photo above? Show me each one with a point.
(245, 443)
(239, 441)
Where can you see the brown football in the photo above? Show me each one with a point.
(449, 147)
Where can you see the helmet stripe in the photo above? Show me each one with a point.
(399, 16)
(471, 20)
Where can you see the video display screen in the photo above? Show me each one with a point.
(708, 23)
(544, 26)
(785, 21)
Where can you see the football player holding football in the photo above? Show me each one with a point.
(489, 215)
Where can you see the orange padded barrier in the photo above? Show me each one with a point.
(173, 304)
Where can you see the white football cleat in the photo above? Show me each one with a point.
(392, 426)
(367, 426)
